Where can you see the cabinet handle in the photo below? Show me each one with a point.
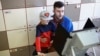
(29, 25)
(67, 3)
(24, 30)
(43, 7)
(24, 26)
(7, 12)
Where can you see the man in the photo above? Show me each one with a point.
(59, 18)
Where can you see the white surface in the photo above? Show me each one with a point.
(98, 1)
(87, 38)
(97, 10)
(81, 24)
(17, 38)
(15, 18)
(4, 53)
(33, 15)
(87, 11)
(2, 26)
(75, 25)
(50, 9)
(73, 1)
(32, 34)
(51, 2)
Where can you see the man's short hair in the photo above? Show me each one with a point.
(58, 4)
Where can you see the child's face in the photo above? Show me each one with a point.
(44, 22)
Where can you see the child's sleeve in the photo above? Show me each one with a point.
(37, 43)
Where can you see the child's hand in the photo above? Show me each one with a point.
(43, 40)
(41, 54)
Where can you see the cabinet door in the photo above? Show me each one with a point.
(86, 11)
(33, 15)
(32, 34)
(72, 1)
(87, 1)
(15, 19)
(97, 10)
(17, 38)
(4, 53)
(0, 5)
(2, 25)
(97, 1)
(13, 4)
(72, 11)
(35, 3)
(75, 25)
(51, 2)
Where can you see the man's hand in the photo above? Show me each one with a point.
(41, 54)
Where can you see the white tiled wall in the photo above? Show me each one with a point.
(33, 15)
(17, 38)
(2, 26)
(4, 53)
(87, 11)
(15, 18)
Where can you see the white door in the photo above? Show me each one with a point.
(15, 18)
(87, 11)
(97, 10)
(2, 26)
(17, 38)
(5, 53)
(33, 15)
(32, 34)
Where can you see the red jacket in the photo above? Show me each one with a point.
(44, 31)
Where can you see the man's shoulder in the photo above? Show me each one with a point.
(67, 19)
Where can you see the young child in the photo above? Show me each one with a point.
(44, 33)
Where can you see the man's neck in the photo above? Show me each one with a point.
(57, 20)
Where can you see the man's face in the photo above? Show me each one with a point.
(59, 12)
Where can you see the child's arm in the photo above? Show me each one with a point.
(38, 45)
